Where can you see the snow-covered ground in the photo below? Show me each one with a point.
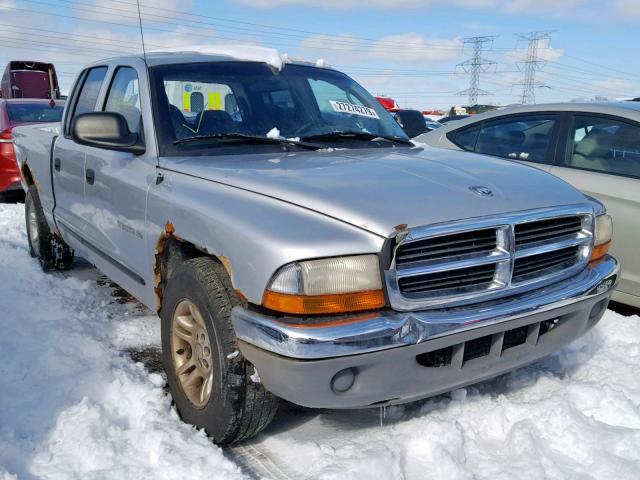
(74, 404)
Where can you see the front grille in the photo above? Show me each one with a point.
(475, 277)
(546, 230)
(447, 246)
(546, 263)
(450, 265)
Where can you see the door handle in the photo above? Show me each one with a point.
(90, 176)
(56, 164)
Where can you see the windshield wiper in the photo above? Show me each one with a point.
(355, 135)
(250, 138)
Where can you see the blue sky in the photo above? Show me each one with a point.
(407, 49)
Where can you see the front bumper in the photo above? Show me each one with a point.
(394, 357)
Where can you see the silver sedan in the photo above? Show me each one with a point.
(593, 146)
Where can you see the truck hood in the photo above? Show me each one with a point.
(379, 189)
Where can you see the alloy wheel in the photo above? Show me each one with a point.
(191, 353)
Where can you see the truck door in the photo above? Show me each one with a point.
(116, 190)
(69, 157)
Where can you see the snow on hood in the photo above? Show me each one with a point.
(377, 189)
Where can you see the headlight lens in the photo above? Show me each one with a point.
(331, 285)
(602, 236)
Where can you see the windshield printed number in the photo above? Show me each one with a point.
(344, 107)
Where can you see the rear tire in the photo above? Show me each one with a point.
(209, 379)
(50, 250)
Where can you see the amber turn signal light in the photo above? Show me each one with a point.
(322, 304)
(599, 251)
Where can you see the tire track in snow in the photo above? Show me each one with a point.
(256, 463)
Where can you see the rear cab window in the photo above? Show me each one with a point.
(34, 112)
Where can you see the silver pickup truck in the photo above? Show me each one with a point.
(297, 245)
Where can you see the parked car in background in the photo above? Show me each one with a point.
(22, 79)
(389, 104)
(452, 118)
(13, 113)
(432, 124)
(593, 146)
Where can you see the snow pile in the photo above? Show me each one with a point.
(274, 133)
(71, 405)
(249, 53)
(322, 63)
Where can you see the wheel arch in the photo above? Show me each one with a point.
(171, 251)
(26, 174)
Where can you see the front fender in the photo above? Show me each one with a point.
(252, 234)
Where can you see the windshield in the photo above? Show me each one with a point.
(34, 112)
(223, 103)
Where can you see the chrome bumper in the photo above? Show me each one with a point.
(358, 334)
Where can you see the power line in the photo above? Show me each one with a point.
(321, 44)
(532, 64)
(475, 66)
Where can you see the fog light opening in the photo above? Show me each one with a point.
(598, 309)
(343, 380)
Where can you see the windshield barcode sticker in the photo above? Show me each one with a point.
(344, 107)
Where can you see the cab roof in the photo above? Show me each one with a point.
(216, 53)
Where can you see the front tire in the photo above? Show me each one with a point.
(208, 377)
(50, 250)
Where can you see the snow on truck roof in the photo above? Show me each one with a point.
(223, 53)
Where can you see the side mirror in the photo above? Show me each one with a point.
(412, 122)
(108, 130)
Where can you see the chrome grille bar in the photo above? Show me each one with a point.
(466, 262)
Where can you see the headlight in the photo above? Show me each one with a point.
(602, 236)
(331, 285)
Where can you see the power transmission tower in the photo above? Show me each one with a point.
(475, 66)
(531, 64)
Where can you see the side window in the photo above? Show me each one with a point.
(124, 97)
(465, 138)
(605, 145)
(89, 91)
(519, 138)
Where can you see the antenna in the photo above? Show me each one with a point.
(144, 52)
